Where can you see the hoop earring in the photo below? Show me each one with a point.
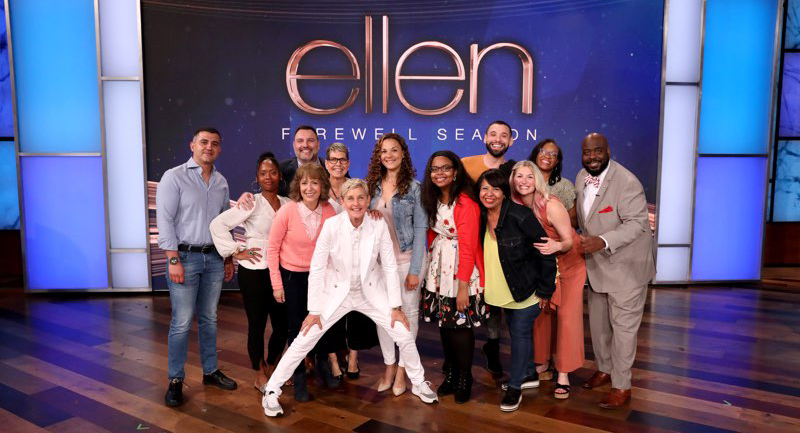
(253, 185)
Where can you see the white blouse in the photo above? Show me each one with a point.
(256, 222)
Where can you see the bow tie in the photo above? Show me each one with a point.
(592, 180)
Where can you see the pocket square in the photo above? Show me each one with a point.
(606, 210)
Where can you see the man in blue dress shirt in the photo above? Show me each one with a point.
(188, 197)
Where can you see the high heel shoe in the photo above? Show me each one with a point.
(399, 387)
(384, 386)
(549, 373)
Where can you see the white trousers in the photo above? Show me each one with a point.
(410, 300)
(352, 302)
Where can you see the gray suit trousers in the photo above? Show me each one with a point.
(614, 320)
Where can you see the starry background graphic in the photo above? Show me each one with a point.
(597, 67)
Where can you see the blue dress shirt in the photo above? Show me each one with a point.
(186, 204)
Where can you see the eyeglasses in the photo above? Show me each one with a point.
(549, 153)
(335, 161)
(443, 168)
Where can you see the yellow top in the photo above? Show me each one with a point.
(497, 292)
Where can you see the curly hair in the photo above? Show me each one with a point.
(430, 193)
(376, 171)
(555, 175)
(311, 171)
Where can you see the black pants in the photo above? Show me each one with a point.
(259, 304)
(459, 347)
(353, 331)
(295, 289)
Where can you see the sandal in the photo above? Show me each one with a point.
(549, 373)
(561, 395)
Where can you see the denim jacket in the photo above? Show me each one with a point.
(410, 223)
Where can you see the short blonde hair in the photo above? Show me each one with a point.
(352, 184)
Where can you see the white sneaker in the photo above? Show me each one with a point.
(424, 392)
(271, 406)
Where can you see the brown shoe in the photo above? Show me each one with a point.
(598, 379)
(616, 398)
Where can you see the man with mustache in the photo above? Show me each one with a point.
(618, 244)
(498, 139)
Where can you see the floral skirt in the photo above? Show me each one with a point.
(442, 309)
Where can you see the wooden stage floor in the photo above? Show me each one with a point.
(709, 359)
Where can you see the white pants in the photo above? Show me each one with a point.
(410, 300)
(352, 302)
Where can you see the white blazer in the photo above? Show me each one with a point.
(331, 266)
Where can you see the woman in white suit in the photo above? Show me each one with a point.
(345, 276)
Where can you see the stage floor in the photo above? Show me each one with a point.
(709, 359)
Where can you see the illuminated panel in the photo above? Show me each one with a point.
(683, 40)
(55, 65)
(729, 218)
(119, 38)
(9, 198)
(125, 170)
(65, 236)
(129, 270)
(737, 76)
(677, 165)
(673, 264)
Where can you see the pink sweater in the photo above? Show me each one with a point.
(289, 246)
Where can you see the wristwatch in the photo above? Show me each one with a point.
(397, 309)
(173, 260)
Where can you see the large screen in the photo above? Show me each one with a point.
(437, 72)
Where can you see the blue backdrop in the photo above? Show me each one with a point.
(597, 67)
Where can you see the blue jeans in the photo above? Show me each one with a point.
(202, 284)
(520, 326)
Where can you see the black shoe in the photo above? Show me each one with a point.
(463, 387)
(511, 400)
(448, 386)
(218, 379)
(174, 395)
(491, 353)
(325, 375)
(530, 382)
(300, 388)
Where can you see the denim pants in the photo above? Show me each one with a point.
(520, 326)
(202, 284)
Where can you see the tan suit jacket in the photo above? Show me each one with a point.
(618, 214)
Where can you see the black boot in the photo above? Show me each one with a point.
(491, 352)
(300, 388)
(324, 374)
(463, 387)
(174, 395)
(448, 386)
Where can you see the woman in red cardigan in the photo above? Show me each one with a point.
(454, 281)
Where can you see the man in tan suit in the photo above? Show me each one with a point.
(618, 243)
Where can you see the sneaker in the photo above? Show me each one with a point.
(511, 400)
(271, 406)
(174, 395)
(530, 382)
(218, 379)
(424, 392)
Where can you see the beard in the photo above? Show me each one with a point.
(597, 172)
(496, 153)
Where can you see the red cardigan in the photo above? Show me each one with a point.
(470, 253)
